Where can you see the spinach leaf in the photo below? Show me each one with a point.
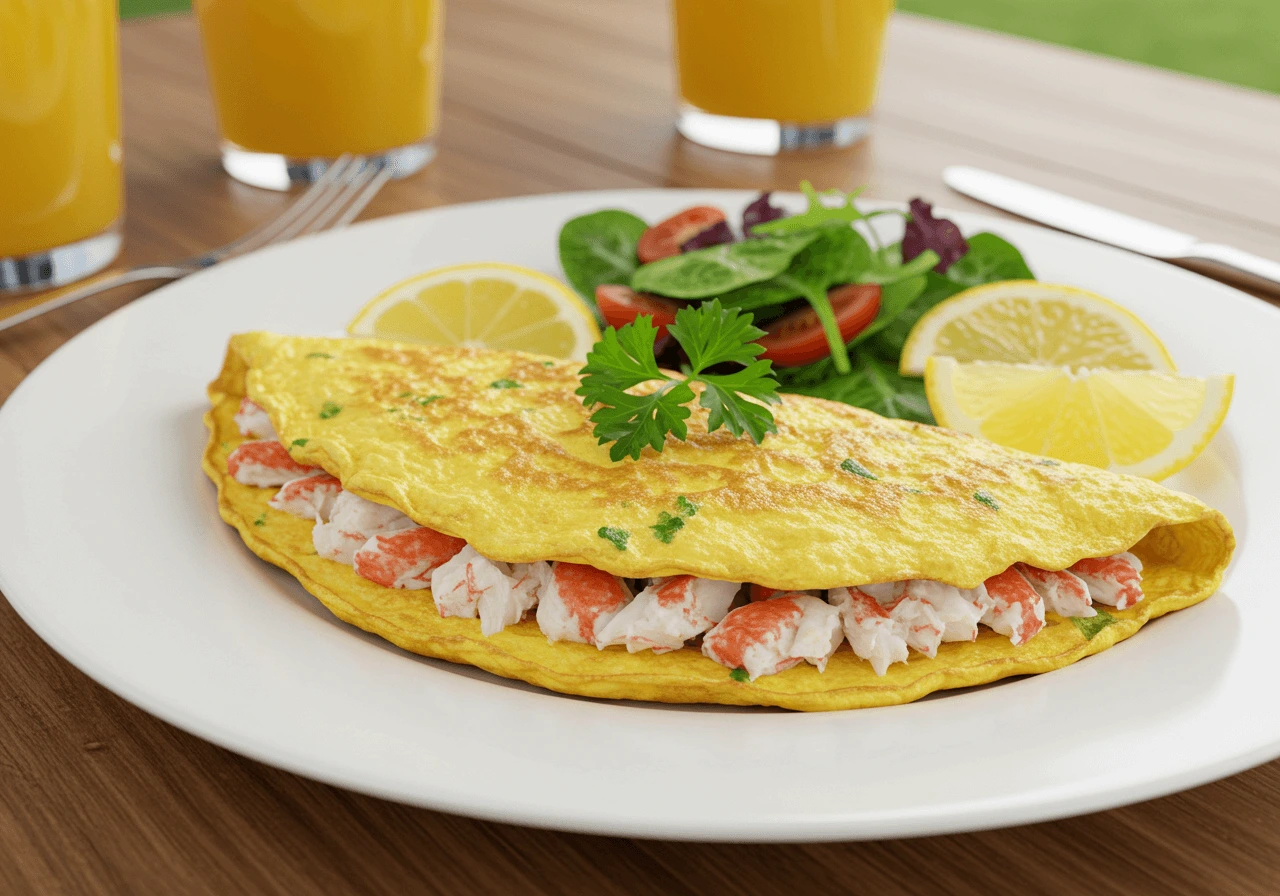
(895, 298)
(888, 340)
(873, 385)
(887, 265)
(706, 273)
(837, 255)
(600, 248)
(989, 259)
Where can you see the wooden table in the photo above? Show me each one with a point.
(545, 96)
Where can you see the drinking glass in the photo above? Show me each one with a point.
(299, 82)
(61, 188)
(767, 76)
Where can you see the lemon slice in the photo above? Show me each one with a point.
(1129, 421)
(1025, 321)
(485, 305)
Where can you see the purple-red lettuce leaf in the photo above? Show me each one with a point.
(716, 235)
(924, 231)
(760, 211)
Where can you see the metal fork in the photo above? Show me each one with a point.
(332, 202)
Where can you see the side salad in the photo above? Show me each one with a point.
(813, 303)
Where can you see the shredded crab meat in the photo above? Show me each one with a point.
(498, 608)
(760, 592)
(958, 609)
(1063, 592)
(579, 601)
(1016, 609)
(770, 636)
(264, 464)
(405, 558)
(352, 522)
(310, 497)
(668, 613)
(1114, 581)
(252, 421)
(459, 584)
(870, 630)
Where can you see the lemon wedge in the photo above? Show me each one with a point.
(1025, 321)
(485, 305)
(1139, 422)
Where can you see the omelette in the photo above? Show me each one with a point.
(455, 502)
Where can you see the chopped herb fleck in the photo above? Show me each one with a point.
(505, 384)
(261, 520)
(852, 466)
(740, 675)
(393, 410)
(615, 536)
(548, 363)
(329, 409)
(320, 355)
(224, 446)
(686, 507)
(405, 395)
(1049, 462)
(915, 491)
(299, 443)
(667, 527)
(427, 399)
(985, 499)
(1091, 625)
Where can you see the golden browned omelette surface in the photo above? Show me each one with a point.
(495, 448)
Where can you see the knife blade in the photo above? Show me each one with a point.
(1098, 223)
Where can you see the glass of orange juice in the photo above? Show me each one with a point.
(61, 189)
(766, 76)
(299, 82)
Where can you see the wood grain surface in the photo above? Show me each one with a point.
(549, 95)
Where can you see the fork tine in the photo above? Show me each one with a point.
(357, 205)
(334, 203)
(333, 179)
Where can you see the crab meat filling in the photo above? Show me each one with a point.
(351, 523)
(871, 631)
(1063, 592)
(1016, 609)
(769, 636)
(668, 613)
(1115, 581)
(498, 609)
(253, 421)
(310, 497)
(579, 601)
(264, 464)
(405, 558)
(958, 609)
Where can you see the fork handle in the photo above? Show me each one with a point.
(16, 311)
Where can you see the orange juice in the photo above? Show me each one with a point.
(787, 60)
(60, 176)
(316, 78)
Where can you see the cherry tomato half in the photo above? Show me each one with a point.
(798, 338)
(665, 238)
(621, 305)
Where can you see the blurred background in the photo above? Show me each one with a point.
(1229, 40)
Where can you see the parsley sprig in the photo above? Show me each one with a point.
(710, 335)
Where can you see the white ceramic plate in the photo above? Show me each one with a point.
(112, 549)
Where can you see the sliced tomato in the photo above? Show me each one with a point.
(665, 238)
(621, 305)
(798, 338)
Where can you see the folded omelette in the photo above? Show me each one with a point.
(490, 455)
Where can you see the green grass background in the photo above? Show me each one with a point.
(1230, 40)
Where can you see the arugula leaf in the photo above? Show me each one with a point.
(710, 335)
(873, 385)
(600, 248)
(709, 272)
(821, 214)
(887, 265)
(988, 260)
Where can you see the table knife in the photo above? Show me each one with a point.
(1101, 224)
